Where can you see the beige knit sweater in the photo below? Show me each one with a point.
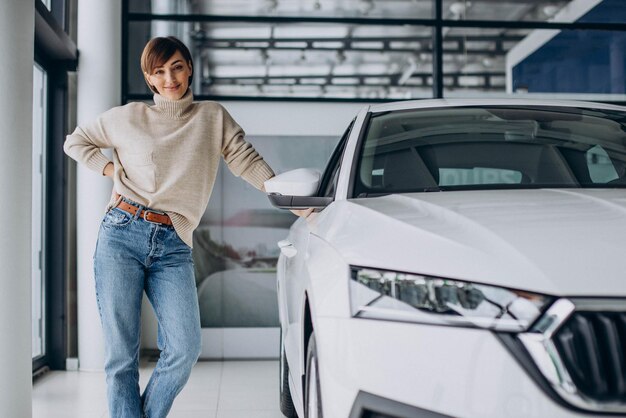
(166, 156)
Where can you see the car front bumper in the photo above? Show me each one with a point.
(436, 370)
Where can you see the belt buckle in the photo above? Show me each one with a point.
(145, 212)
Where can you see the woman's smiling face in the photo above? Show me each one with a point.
(172, 78)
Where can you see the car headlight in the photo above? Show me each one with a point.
(390, 295)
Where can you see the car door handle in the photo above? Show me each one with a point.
(287, 248)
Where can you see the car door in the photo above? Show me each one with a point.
(292, 283)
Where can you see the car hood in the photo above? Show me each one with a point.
(564, 242)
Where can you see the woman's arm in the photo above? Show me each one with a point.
(243, 160)
(240, 156)
(85, 143)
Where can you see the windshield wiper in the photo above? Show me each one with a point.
(379, 194)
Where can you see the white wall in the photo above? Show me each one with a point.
(293, 118)
(17, 29)
(99, 81)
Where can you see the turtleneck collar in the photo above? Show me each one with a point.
(176, 109)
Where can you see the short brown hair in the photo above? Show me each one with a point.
(156, 53)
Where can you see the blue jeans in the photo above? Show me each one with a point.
(133, 255)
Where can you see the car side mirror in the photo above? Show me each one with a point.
(295, 189)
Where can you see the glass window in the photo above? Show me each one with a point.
(492, 147)
(378, 59)
(584, 63)
(475, 60)
(571, 64)
(565, 11)
(296, 60)
(38, 201)
(510, 10)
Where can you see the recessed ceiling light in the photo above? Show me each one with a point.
(550, 10)
(458, 8)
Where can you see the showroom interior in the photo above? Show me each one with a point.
(293, 73)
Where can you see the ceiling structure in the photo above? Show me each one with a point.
(341, 60)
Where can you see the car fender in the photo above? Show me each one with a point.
(328, 279)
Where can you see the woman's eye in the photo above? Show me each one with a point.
(178, 67)
(158, 72)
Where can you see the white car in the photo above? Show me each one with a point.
(467, 259)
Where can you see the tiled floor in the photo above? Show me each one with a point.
(229, 389)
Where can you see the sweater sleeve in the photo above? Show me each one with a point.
(85, 143)
(240, 156)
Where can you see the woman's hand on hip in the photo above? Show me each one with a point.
(108, 170)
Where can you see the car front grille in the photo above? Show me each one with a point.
(578, 346)
(592, 346)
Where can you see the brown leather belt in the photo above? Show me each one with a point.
(147, 214)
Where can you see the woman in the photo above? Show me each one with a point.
(165, 160)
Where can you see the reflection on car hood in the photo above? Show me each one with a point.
(556, 241)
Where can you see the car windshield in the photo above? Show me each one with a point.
(494, 147)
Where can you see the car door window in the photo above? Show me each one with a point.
(331, 174)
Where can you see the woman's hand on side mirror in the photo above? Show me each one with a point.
(304, 213)
(298, 212)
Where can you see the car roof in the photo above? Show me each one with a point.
(438, 103)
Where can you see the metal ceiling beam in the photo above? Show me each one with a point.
(485, 24)
(225, 98)
(503, 37)
(498, 50)
(453, 79)
(348, 44)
